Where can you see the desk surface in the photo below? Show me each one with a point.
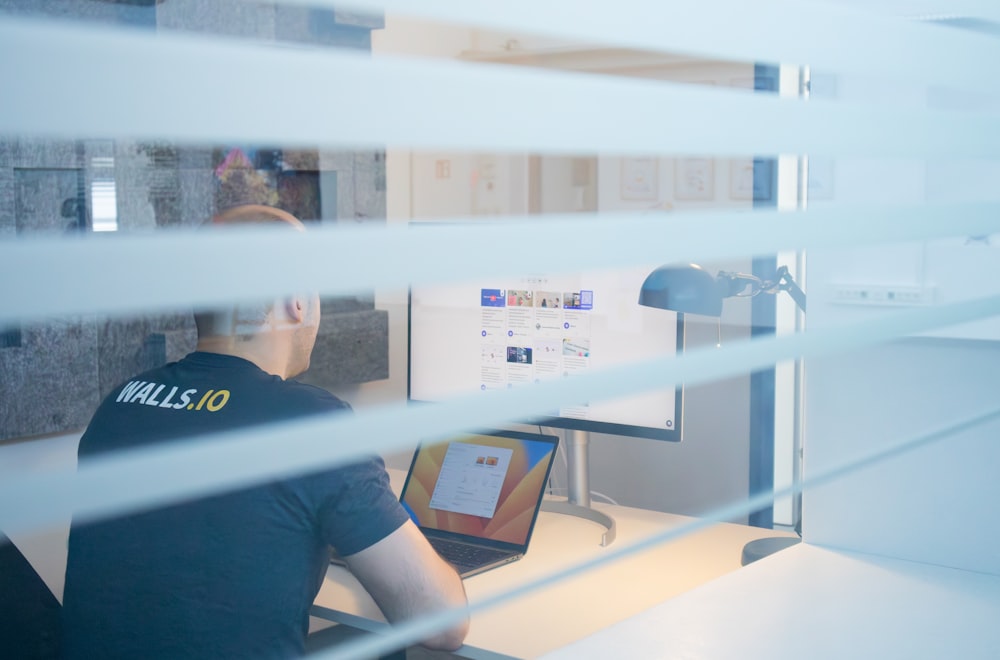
(817, 603)
(555, 616)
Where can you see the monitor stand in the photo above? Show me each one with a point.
(578, 487)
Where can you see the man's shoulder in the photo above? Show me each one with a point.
(310, 397)
(228, 388)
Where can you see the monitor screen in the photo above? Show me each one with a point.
(489, 335)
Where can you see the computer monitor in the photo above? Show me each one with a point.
(497, 334)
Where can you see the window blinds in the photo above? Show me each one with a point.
(70, 80)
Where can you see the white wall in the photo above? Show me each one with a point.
(409, 37)
(936, 504)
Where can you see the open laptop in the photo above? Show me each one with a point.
(476, 497)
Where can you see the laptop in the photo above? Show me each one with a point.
(476, 497)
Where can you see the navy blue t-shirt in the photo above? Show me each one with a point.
(229, 576)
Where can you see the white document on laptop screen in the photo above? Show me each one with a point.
(471, 478)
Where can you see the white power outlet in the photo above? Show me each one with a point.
(881, 295)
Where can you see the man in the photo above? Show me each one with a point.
(234, 575)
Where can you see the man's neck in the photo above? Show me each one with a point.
(263, 354)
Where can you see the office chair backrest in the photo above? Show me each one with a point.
(29, 613)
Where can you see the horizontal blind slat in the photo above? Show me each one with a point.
(118, 273)
(343, 99)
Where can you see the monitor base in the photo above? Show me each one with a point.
(570, 509)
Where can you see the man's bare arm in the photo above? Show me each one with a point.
(407, 578)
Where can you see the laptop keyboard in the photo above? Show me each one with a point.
(464, 556)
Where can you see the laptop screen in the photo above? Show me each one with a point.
(487, 485)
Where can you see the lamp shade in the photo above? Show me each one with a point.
(682, 288)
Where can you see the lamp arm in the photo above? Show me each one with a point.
(786, 283)
(735, 284)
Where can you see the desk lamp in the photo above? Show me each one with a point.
(691, 289)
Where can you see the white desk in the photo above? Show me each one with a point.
(551, 618)
(816, 603)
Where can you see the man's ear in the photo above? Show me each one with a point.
(295, 308)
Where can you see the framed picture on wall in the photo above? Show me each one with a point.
(487, 188)
(694, 179)
(640, 179)
(741, 179)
